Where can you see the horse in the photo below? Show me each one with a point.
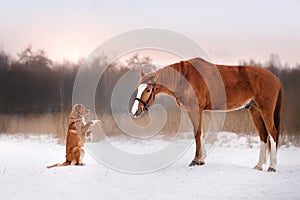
(250, 87)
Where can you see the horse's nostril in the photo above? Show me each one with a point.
(134, 115)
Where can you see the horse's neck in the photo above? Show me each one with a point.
(168, 78)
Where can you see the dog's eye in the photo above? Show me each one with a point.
(147, 90)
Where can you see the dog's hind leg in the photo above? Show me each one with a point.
(77, 155)
(82, 153)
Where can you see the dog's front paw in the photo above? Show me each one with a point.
(94, 122)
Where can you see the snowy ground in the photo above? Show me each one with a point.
(227, 174)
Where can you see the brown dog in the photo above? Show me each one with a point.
(77, 135)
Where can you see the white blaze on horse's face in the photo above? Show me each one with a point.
(140, 91)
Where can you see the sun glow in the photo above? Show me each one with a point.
(71, 55)
(74, 55)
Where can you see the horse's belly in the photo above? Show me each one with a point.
(231, 106)
(237, 105)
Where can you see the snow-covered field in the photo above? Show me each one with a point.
(226, 175)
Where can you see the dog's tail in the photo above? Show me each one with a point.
(59, 165)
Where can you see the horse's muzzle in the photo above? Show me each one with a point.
(139, 112)
(136, 115)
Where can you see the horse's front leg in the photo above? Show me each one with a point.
(200, 153)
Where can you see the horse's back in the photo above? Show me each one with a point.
(243, 83)
(250, 82)
(237, 73)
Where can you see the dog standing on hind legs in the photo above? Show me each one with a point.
(78, 133)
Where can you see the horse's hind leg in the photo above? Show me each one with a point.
(263, 135)
(268, 117)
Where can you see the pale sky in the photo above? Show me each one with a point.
(230, 31)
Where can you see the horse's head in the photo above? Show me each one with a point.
(145, 94)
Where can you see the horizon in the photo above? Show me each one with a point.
(159, 60)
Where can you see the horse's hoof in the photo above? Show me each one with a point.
(257, 168)
(271, 169)
(194, 163)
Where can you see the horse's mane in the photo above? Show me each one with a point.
(174, 75)
(170, 75)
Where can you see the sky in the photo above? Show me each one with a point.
(230, 31)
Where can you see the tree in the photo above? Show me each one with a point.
(4, 61)
(136, 63)
(34, 58)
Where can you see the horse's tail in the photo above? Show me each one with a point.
(277, 115)
(59, 165)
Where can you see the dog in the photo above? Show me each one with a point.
(78, 134)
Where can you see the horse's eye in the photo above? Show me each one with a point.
(147, 90)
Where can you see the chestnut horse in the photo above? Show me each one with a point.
(250, 87)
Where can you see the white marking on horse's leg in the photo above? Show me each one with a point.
(140, 91)
(273, 153)
(203, 151)
(262, 154)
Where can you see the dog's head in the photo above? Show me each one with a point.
(78, 111)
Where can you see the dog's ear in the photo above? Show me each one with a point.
(77, 107)
(75, 110)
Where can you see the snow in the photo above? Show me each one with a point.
(228, 173)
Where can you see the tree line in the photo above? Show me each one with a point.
(33, 84)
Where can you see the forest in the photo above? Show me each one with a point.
(36, 94)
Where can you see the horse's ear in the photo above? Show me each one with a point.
(142, 73)
(155, 77)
